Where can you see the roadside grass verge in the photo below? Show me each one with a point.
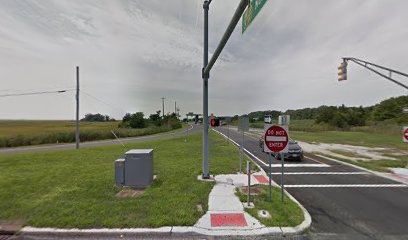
(74, 188)
(352, 138)
(287, 215)
(375, 165)
(28, 133)
(307, 125)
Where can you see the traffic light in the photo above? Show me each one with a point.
(215, 122)
(342, 73)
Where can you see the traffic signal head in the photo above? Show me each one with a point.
(215, 122)
(342, 73)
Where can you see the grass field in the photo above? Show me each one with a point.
(375, 135)
(32, 127)
(352, 138)
(15, 133)
(74, 188)
(378, 165)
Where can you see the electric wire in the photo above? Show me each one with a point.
(101, 101)
(35, 93)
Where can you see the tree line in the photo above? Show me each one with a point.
(137, 120)
(343, 117)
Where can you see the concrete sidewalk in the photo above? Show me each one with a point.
(226, 215)
(223, 203)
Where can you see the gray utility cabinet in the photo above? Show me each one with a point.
(139, 168)
(120, 172)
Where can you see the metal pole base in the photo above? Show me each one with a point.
(206, 176)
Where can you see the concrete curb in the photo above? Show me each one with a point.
(176, 230)
(308, 219)
(364, 169)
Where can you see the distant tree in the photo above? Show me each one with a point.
(127, 117)
(326, 115)
(155, 118)
(137, 120)
(89, 117)
(388, 109)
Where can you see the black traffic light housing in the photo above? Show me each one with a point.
(215, 122)
(342, 73)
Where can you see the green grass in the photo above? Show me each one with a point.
(10, 128)
(352, 138)
(15, 133)
(288, 214)
(376, 165)
(74, 188)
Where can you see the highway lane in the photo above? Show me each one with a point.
(190, 129)
(356, 205)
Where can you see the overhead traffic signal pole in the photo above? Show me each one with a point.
(205, 77)
(207, 68)
(342, 74)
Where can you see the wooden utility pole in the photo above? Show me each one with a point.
(77, 108)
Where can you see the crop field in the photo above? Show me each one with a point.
(31, 127)
(15, 133)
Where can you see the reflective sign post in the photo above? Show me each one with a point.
(243, 125)
(270, 177)
(283, 170)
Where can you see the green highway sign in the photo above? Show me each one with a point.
(251, 12)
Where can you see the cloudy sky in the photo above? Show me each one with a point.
(132, 53)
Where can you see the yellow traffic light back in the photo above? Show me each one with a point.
(342, 73)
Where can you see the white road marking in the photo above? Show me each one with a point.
(312, 159)
(323, 173)
(275, 165)
(292, 165)
(346, 186)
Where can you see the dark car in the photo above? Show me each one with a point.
(295, 152)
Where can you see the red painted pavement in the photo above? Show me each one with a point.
(228, 219)
(261, 179)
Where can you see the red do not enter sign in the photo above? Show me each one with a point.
(405, 134)
(276, 138)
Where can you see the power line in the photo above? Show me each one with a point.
(99, 100)
(35, 93)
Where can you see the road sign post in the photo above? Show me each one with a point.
(282, 156)
(249, 182)
(207, 65)
(276, 140)
(405, 134)
(243, 125)
(270, 177)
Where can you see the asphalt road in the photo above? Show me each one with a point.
(357, 205)
(189, 129)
